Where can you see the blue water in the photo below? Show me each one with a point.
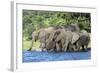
(34, 56)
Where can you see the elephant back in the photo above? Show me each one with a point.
(72, 27)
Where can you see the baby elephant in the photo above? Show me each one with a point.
(82, 43)
(83, 40)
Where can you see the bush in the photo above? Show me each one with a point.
(34, 20)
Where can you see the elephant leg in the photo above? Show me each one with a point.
(63, 47)
(86, 47)
(74, 48)
(42, 46)
(78, 46)
(66, 46)
(83, 49)
(70, 47)
(31, 46)
(57, 47)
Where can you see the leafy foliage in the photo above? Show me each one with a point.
(34, 20)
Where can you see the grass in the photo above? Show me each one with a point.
(27, 44)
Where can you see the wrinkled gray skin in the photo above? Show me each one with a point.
(83, 38)
(50, 43)
(62, 38)
(72, 27)
(83, 41)
(42, 35)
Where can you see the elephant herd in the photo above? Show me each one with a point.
(61, 38)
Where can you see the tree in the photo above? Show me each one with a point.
(34, 20)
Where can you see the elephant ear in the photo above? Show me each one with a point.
(55, 37)
(75, 37)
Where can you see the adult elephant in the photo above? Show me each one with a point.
(42, 35)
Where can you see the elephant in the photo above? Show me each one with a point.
(72, 27)
(42, 35)
(83, 41)
(63, 38)
(34, 39)
(50, 43)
